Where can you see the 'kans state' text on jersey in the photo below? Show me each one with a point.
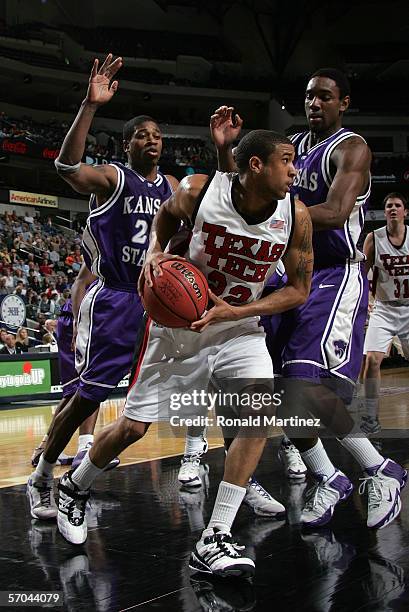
(116, 236)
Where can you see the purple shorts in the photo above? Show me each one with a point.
(276, 334)
(327, 332)
(108, 326)
(66, 357)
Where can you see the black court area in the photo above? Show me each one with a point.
(142, 527)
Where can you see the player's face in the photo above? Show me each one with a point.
(145, 146)
(395, 210)
(323, 105)
(279, 172)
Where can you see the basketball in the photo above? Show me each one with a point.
(178, 297)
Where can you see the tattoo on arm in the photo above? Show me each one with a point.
(304, 265)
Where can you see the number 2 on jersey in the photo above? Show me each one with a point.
(141, 235)
(238, 294)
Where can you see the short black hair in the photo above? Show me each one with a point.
(338, 76)
(260, 143)
(398, 196)
(129, 127)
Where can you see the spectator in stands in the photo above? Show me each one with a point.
(20, 291)
(54, 256)
(23, 341)
(69, 260)
(50, 327)
(18, 276)
(46, 269)
(44, 305)
(41, 318)
(50, 341)
(29, 219)
(3, 334)
(55, 309)
(60, 284)
(9, 347)
(9, 281)
(3, 288)
(32, 307)
(34, 282)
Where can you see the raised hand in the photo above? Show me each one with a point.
(100, 91)
(225, 126)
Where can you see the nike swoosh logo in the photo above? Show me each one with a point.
(321, 286)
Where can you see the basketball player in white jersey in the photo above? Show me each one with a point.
(387, 252)
(242, 225)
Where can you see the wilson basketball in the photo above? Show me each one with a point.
(178, 297)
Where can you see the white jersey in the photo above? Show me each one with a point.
(237, 257)
(391, 267)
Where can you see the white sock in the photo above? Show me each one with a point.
(226, 506)
(371, 407)
(357, 390)
(44, 469)
(362, 450)
(85, 473)
(83, 440)
(194, 444)
(317, 460)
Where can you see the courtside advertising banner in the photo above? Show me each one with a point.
(32, 199)
(24, 377)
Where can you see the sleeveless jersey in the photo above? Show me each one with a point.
(116, 236)
(237, 258)
(311, 186)
(391, 267)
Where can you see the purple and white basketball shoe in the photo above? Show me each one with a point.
(384, 484)
(322, 498)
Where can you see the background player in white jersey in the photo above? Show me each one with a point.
(322, 352)
(124, 202)
(387, 252)
(241, 226)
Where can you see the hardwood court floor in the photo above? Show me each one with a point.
(142, 529)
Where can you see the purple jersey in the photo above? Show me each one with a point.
(311, 186)
(116, 237)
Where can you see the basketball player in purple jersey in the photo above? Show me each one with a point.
(326, 342)
(325, 336)
(68, 373)
(124, 202)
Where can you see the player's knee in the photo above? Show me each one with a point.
(132, 431)
(373, 363)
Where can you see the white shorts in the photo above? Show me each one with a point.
(385, 322)
(172, 362)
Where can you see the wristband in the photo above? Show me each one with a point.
(66, 168)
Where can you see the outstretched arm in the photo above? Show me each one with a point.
(225, 128)
(298, 263)
(352, 159)
(82, 177)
